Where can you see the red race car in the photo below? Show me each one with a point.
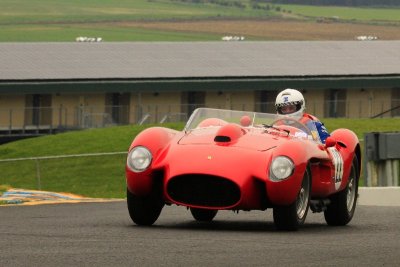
(239, 160)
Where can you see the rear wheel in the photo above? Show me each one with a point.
(203, 215)
(343, 203)
(144, 210)
(292, 216)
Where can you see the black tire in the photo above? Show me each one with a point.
(203, 215)
(343, 204)
(144, 210)
(291, 217)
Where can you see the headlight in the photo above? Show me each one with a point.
(281, 168)
(139, 159)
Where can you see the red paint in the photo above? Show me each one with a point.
(244, 161)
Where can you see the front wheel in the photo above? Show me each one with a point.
(144, 210)
(343, 204)
(291, 217)
(203, 215)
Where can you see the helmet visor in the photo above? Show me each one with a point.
(288, 108)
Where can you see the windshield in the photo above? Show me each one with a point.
(273, 123)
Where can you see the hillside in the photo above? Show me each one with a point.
(103, 176)
(184, 20)
(350, 3)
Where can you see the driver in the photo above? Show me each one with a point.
(291, 102)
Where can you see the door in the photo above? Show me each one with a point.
(38, 110)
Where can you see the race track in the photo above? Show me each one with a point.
(102, 234)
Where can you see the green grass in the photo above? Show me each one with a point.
(347, 13)
(89, 176)
(109, 33)
(3, 188)
(61, 11)
(362, 126)
(15, 12)
(64, 20)
(105, 176)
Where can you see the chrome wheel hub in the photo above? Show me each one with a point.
(351, 194)
(302, 201)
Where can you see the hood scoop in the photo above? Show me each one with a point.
(229, 134)
(222, 139)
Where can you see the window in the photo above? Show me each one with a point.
(335, 103)
(117, 106)
(191, 101)
(265, 101)
(38, 110)
(395, 102)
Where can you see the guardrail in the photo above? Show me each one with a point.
(382, 158)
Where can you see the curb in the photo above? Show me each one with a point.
(368, 196)
(379, 196)
(36, 197)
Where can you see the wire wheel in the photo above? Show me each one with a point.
(351, 192)
(303, 199)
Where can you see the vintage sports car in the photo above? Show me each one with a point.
(239, 160)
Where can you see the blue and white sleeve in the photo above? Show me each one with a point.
(322, 131)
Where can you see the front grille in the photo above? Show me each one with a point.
(203, 190)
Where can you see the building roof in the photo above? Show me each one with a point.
(153, 60)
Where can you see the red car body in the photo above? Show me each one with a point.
(223, 159)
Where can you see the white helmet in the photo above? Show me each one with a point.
(289, 97)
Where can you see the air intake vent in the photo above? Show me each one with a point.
(221, 138)
(203, 191)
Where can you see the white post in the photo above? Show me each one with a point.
(38, 174)
(395, 169)
(388, 173)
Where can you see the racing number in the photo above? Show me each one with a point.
(338, 163)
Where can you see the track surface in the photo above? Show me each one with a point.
(102, 234)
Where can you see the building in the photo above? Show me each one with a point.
(52, 86)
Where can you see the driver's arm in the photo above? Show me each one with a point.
(322, 131)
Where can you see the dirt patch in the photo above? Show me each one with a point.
(275, 29)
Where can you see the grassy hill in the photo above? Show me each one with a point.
(126, 20)
(103, 176)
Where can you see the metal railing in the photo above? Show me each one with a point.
(37, 161)
(48, 119)
(37, 170)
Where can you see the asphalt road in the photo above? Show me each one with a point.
(101, 234)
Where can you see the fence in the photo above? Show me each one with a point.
(61, 176)
(48, 119)
(92, 174)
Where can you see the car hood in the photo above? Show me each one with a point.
(254, 139)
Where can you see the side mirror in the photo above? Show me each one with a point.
(245, 121)
(330, 141)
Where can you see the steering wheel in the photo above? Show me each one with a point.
(291, 122)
